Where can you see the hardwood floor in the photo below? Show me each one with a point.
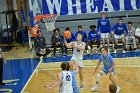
(127, 76)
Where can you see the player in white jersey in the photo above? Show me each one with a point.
(64, 80)
(78, 49)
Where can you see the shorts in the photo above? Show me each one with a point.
(105, 71)
(104, 35)
(118, 36)
(78, 61)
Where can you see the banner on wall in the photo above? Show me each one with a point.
(71, 7)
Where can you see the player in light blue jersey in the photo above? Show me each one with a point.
(108, 68)
(73, 72)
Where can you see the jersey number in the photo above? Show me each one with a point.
(68, 78)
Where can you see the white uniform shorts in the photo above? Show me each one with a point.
(79, 61)
(104, 35)
(118, 36)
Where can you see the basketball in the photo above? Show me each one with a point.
(67, 34)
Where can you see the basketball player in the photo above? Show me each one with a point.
(78, 49)
(108, 68)
(104, 29)
(74, 72)
(64, 80)
(1, 66)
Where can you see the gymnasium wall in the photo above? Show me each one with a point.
(85, 12)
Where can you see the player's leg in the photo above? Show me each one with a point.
(62, 48)
(127, 42)
(108, 44)
(124, 44)
(81, 76)
(137, 42)
(54, 48)
(111, 77)
(134, 42)
(103, 38)
(116, 44)
(90, 44)
(98, 43)
(48, 51)
(96, 87)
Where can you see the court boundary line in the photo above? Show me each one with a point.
(88, 66)
(31, 77)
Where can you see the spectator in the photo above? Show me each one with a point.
(137, 36)
(57, 41)
(112, 88)
(72, 38)
(84, 35)
(93, 37)
(104, 29)
(40, 46)
(1, 66)
(120, 29)
(131, 33)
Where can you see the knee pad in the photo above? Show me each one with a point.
(98, 77)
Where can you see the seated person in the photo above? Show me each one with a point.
(137, 36)
(40, 45)
(131, 33)
(72, 38)
(57, 41)
(93, 37)
(84, 35)
(119, 29)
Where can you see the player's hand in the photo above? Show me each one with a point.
(74, 46)
(110, 70)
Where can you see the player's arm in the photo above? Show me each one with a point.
(113, 28)
(126, 30)
(113, 64)
(97, 66)
(67, 44)
(56, 83)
